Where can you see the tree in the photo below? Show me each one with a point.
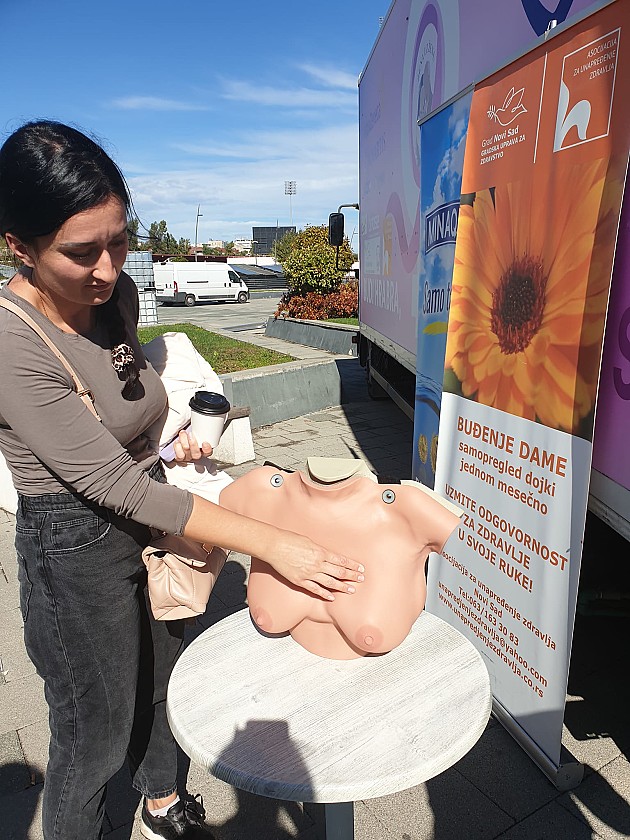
(160, 240)
(183, 246)
(132, 233)
(310, 265)
(230, 249)
(282, 247)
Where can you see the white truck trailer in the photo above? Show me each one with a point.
(198, 282)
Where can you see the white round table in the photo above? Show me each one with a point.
(268, 717)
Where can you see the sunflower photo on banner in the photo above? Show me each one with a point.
(542, 186)
(530, 289)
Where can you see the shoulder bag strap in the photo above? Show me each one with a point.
(84, 393)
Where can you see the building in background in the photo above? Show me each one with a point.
(264, 238)
(243, 245)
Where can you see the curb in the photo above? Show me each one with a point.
(324, 335)
(283, 392)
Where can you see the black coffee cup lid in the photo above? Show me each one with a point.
(208, 402)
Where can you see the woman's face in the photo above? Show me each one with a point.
(80, 262)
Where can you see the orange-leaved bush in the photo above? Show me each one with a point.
(344, 303)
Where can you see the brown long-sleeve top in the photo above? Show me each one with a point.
(51, 441)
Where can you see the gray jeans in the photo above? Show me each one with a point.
(104, 660)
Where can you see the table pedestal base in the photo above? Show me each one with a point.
(340, 821)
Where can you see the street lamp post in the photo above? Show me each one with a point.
(290, 189)
(199, 215)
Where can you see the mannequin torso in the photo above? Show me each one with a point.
(390, 528)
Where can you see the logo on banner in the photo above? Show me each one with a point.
(586, 92)
(511, 109)
(540, 17)
(441, 226)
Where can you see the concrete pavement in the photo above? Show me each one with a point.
(493, 792)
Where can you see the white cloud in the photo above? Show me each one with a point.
(331, 76)
(154, 103)
(250, 186)
(298, 97)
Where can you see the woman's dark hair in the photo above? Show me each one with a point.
(49, 172)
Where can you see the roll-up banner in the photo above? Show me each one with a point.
(544, 171)
(442, 144)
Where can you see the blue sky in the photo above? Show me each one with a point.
(209, 103)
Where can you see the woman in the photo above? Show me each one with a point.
(88, 491)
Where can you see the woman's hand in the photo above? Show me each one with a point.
(295, 557)
(311, 567)
(187, 449)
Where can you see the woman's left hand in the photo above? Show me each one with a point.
(187, 449)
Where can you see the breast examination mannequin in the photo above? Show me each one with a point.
(338, 503)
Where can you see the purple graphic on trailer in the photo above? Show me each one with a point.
(611, 453)
(390, 220)
(424, 53)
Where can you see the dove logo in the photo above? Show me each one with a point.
(586, 91)
(511, 109)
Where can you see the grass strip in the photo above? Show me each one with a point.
(352, 321)
(226, 355)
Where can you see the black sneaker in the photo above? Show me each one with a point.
(183, 819)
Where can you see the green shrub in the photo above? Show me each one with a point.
(311, 262)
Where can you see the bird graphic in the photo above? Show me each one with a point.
(511, 109)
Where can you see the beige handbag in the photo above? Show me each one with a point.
(180, 573)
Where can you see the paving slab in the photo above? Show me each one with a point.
(22, 814)
(594, 749)
(22, 703)
(602, 800)
(15, 661)
(506, 775)
(34, 740)
(551, 822)
(440, 808)
(14, 774)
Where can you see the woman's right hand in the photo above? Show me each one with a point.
(310, 566)
(293, 556)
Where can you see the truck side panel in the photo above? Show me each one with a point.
(426, 53)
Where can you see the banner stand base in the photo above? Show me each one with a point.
(565, 776)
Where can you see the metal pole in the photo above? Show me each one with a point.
(199, 215)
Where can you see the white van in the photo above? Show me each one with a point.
(189, 282)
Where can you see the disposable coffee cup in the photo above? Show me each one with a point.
(208, 412)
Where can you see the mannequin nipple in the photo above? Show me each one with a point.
(368, 638)
(262, 619)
